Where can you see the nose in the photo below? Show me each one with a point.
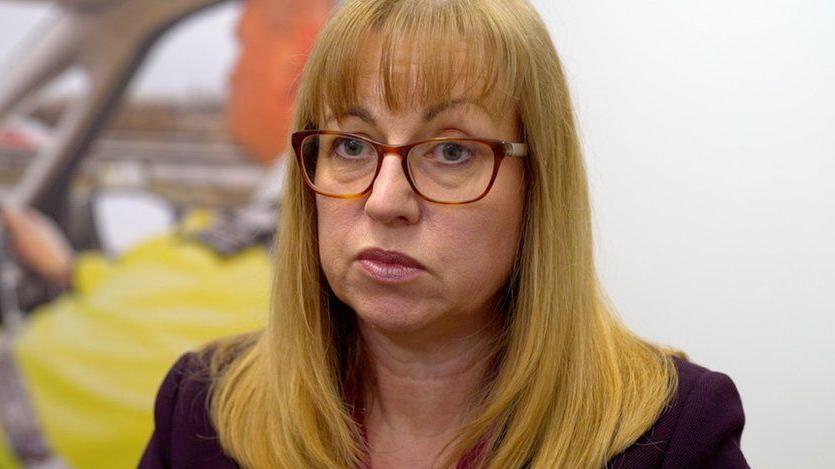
(392, 200)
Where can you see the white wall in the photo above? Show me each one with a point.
(709, 129)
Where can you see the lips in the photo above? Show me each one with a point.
(389, 257)
(389, 266)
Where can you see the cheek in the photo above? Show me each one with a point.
(489, 252)
(331, 232)
(480, 250)
(498, 230)
(338, 233)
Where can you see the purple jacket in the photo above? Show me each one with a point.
(701, 429)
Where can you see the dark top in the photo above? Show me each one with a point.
(700, 429)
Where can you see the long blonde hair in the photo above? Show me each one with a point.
(573, 387)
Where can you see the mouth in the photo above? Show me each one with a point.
(389, 266)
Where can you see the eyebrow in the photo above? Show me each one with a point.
(441, 107)
(428, 115)
(362, 113)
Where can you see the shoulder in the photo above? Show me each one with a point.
(183, 432)
(701, 427)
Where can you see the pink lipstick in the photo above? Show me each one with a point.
(389, 266)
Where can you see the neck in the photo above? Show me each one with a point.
(425, 383)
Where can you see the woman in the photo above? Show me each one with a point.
(435, 301)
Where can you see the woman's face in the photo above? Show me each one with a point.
(465, 252)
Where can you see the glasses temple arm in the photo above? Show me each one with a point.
(516, 149)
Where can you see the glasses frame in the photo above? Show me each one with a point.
(501, 150)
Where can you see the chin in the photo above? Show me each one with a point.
(392, 316)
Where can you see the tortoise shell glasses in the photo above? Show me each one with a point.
(444, 170)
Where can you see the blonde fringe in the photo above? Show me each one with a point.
(574, 387)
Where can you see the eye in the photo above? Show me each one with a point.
(351, 148)
(452, 153)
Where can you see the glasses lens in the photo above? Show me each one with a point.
(339, 164)
(451, 170)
